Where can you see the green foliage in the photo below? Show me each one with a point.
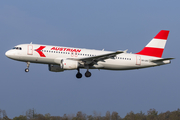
(152, 114)
(21, 117)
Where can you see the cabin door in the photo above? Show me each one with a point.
(138, 60)
(30, 50)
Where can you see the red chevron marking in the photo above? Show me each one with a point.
(39, 50)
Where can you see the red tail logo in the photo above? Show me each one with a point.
(156, 46)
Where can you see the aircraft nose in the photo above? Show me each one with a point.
(8, 53)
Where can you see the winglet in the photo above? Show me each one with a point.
(125, 51)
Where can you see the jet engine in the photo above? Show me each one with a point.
(63, 65)
(69, 64)
(55, 68)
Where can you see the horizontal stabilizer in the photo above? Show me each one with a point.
(161, 60)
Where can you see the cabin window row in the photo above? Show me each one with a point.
(122, 58)
(65, 52)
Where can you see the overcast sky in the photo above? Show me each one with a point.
(94, 24)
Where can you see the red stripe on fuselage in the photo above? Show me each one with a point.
(39, 50)
(149, 51)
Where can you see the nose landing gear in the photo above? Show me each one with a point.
(27, 69)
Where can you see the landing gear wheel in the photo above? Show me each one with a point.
(26, 70)
(88, 74)
(79, 75)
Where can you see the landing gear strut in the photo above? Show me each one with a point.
(88, 74)
(78, 75)
(27, 69)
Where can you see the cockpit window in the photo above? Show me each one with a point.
(17, 48)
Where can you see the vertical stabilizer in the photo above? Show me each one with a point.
(156, 46)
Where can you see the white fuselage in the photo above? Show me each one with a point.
(46, 54)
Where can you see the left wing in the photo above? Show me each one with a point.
(94, 59)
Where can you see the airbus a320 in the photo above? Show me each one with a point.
(60, 58)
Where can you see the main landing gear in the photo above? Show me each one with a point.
(79, 75)
(27, 69)
(88, 74)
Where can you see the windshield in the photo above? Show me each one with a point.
(17, 48)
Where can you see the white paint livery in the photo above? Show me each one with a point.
(61, 58)
(157, 43)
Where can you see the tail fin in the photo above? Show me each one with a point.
(156, 46)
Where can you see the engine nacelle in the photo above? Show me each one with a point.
(63, 65)
(55, 68)
(69, 64)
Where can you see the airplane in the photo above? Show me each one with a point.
(60, 58)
